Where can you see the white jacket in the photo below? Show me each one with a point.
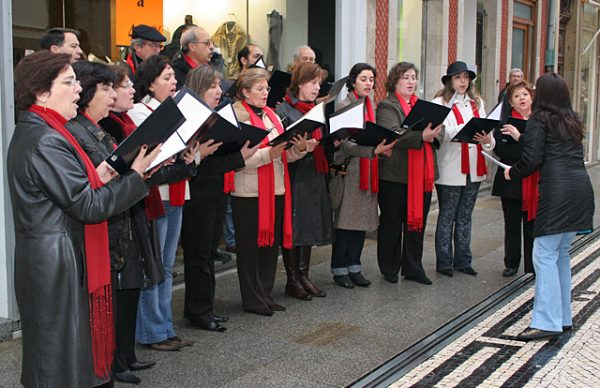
(449, 154)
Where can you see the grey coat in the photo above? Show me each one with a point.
(52, 201)
(358, 210)
(395, 168)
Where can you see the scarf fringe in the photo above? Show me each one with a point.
(102, 330)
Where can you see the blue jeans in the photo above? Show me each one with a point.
(346, 251)
(228, 228)
(456, 204)
(155, 318)
(552, 264)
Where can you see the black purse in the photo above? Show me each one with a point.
(336, 183)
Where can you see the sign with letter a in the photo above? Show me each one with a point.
(130, 13)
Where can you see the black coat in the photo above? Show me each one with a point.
(181, 69)
(566, 194)
(52, 201)
(208, 182)
(509, 153)
(312, 218)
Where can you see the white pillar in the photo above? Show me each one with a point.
(8, 306)
(350, 34)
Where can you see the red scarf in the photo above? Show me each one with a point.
(321, 164)
(366, 164)
(229, 182)
(465, 166)
(193, 64)
(97, 259)
(130, 63)
(152, 203)
(266, 188)
(529, 186)
(176, 190)
(421, 175)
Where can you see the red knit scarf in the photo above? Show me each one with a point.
(130, 63)
(529, 186)
(176, 190)
(229, 182)
(266, 188)
(97, 259)
(321, 164)
(193, 64)
(421, 175)
(465, 166)
(152, 203)
(368, 165)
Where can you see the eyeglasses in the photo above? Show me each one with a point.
(126, 85)
(261, 89)
(71, 82)
(154, 45)
(206, 42)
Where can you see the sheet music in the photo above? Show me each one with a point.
(494, 160)
(496, 112)
(353, 118)
(315, 114)
(228, 114)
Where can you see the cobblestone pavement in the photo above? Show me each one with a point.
(488, 355)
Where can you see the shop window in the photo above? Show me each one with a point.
(410, 17)
(523, 32)
(588, 71)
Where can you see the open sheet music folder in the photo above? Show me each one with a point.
(156, 129)
(423, 113)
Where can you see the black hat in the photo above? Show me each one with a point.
(457, 68)
(145, 32)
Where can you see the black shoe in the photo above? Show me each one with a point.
(220, 318)
(214, 326)
(265, 311)
(127, 377)
(446, 272)
(468, 271)
(359, 280)
(277, 307)
(141, 365)
(343, 280)
(419, 279)
(567, 328)
(508, 272)
(219, 255)
(391, 278)
(533, 334)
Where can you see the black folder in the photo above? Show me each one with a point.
(279, 83)
(254, 134)
(474, 126)
(520, 124)
(423, 113)
(300, 129)
(374, 134)
(156, 129)
(335, 90)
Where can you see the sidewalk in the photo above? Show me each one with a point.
(328, 341)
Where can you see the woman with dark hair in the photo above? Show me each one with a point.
(553, 143)
(60, 205)
(357, 213)
(312, 223)
(519, 196)
(155, 82)
(405, 181)
(261, 198)
(461, 168)
(204, 213)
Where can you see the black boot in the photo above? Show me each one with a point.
(304, 266)
(293, 287)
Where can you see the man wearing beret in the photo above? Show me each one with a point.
(145, 42)
(196, 49)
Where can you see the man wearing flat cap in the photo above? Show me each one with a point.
(145, 42)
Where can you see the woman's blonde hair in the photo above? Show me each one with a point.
(248, 78)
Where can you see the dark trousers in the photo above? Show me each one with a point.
(256, 266)
(125, 304)
(456, 204)
(514, 217)
(397, 247)
(346, 250)
(202, 220)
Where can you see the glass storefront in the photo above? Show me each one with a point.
(587, 96)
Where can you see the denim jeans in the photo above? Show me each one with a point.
(228, 229)
(552, 264)
(456, 204)
(346, 251)
(155, 318)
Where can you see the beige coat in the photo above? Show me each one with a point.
(246, 179)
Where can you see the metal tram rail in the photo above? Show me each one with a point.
(397, 366)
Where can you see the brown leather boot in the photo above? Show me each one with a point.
(293, 287)
(304, 266)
